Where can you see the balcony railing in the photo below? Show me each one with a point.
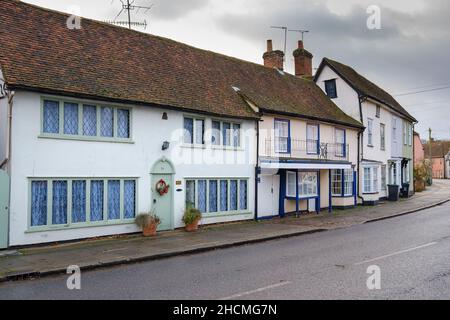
(305, 149)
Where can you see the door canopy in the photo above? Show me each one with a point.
(163, 166)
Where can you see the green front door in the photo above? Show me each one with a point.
(4, 209)
(162, 205)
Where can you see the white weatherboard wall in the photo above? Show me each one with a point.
(35, 157)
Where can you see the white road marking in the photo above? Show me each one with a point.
(242, 294)
(396, 253)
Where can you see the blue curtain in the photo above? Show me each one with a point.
(213, 196)
(226, 134)
(78, 201)
(113, 199)
(89, 120)
(129, 198)
(190, 193)
(236, 135)
(202, 196)
(59, 208)
(216, 133)
(123, 123)
(233, 195)
(223, 195)
(107, 122)
(51, 116)
(96, 200)
(70, 118)
(38, 203)
(188, 130)
(243, 195)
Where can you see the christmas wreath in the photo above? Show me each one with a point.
(162, 187)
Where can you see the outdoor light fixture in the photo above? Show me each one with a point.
(165, 116)
(166, 145)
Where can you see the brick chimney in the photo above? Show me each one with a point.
(303, 61)
(273, 59)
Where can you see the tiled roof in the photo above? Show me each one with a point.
(365, 87)
(39, 52)
(439, 149)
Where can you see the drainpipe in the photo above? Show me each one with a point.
(257, 170)
(360, 148)
(7, 161)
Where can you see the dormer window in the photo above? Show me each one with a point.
(330, 88)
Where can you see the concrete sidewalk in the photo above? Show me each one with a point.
(91, 254)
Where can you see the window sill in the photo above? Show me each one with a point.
(370, 145)
(226, 214)
(227, 148)
(342, 197)
(371, 193)
(193, 146)
(302, 198)
(85, 138)
(81, 225)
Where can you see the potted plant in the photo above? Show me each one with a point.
(191, 218)
(149, 223)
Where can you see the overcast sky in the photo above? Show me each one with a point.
(411, 51)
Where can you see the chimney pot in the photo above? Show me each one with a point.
(269, 46)
(300, 45)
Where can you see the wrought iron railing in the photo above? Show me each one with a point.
(305, 149)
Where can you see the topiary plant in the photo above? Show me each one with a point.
(144, 220)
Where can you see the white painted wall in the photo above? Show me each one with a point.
(37, 157)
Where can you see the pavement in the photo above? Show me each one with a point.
(409, 255)
(36, 262)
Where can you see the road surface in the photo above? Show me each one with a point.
(412, 253)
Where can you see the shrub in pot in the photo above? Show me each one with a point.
(191, 218)
(149, 223)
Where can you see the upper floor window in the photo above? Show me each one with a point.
(378, 111)
(410, 134)
(194, 131)
(382, 137)
(282, 134)
(312, 138)
(85, 121)
(226, 134)
(340, 142)
(330, 88)
(369, 132)
(394, 130)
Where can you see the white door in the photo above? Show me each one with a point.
(312, 205)
(268, 195)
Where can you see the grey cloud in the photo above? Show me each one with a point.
(411, 50)
(173, 9)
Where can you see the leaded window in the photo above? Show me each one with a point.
(50, 117)
(70, 118)
(79, 202)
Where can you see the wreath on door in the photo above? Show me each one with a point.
(162, 187)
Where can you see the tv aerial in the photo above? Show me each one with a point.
(129, 6)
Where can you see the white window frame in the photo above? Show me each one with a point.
(336, 177)
(314, 139)
(370, 132)
(348, 182)
(384, 177)
(372, 186)
(382, 137)
(340, 145)
(280, 137)
(291, 183)
(303, 183)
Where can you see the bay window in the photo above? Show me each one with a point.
(307, 184)
(342, 182)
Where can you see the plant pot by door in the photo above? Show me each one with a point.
(150, 230)
(193, 226)
(393, 192)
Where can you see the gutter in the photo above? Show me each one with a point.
(360, 149)
(257, 170)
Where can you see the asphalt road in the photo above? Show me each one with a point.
(412, 252)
